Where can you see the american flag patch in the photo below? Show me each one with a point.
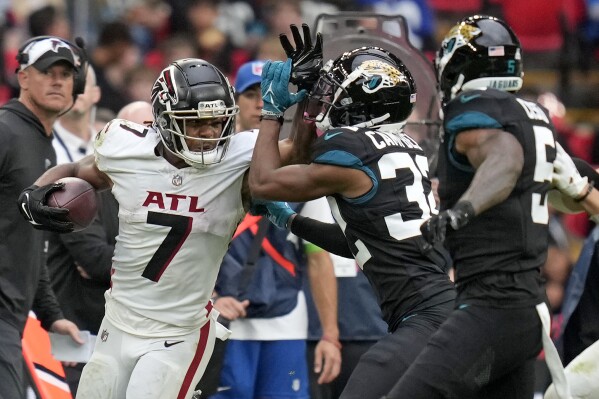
(496, 51)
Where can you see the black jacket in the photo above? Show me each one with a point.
(82, 299)
(25, 153)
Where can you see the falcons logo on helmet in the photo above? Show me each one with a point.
(164, 88)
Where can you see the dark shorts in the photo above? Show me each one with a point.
(479, 352)
(387, 360)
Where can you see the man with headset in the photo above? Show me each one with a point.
(50, 76)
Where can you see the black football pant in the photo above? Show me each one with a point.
(12, 366)
(386, 361)
(479, 353)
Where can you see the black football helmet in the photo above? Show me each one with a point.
(365, 87)
(188, 90)
(480, 51)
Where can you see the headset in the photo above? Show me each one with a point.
(78, 48)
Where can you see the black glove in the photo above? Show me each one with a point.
(307, 59)
(32, 205)
(433, 230)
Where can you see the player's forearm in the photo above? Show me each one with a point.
(591, 204)
(266, 157)
(302, 134)
(496, 176)
(57, 172)
(327, 236)
(323, 285)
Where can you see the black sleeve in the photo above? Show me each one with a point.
(585, 169)
(45, 305)
(91, 250)
(327, 236)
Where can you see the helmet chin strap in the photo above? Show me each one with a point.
(393, 127)
(373, 122)
(457, 87)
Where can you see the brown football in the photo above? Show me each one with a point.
(79, 197)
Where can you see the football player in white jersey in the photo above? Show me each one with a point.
(181, 188)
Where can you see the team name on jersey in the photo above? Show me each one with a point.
(383, 139)
(506, 84)
(533, 110)
(176, 202)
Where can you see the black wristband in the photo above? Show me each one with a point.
(461, 214)
(589, 189)
(272, 117)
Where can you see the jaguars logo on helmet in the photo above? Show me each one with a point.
(480, 51)
(368, 86)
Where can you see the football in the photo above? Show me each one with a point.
(79, 197)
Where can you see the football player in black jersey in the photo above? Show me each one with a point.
(376, 180)
(495, 168)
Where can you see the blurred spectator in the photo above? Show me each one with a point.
(148, 20)
(248, 95)
(266, 353)
(114, 56)
(233, 19)
(270, 49)
(103, 116)
(360, 323)
(312, 9)
(137, 111)
(580, 327)
(418, 14)
(213, 44)
(278, 15)
(49, 21)
(74, 130)
(173, 48)
(138, 83)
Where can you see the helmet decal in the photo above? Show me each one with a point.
(164, 88)
(365, 87)
(478, 52)
(378, 74)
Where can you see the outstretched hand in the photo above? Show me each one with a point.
(307, 59)
(275, 88)
(33, 207)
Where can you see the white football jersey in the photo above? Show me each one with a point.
(175, 226)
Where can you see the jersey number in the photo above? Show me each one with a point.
(543, 173)
(180, 229)
(399, 228)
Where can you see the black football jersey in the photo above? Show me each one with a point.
(511, 236)
(382, 227)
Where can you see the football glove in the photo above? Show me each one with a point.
(566, 177)
(277, 212)
(275, 88)
(435, 229)
(32, 205)
(307, 59)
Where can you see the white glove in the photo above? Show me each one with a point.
(566, 177)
